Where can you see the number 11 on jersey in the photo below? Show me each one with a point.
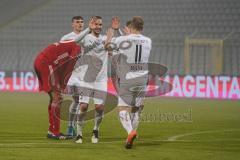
(138, 53)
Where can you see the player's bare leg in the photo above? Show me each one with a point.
(80, 121)
(98, 119)
(125, 119)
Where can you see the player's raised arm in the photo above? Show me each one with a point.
(86, 31)
(110, 33)
(116, 25)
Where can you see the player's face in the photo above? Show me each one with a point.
(78, 25)
(98, 27)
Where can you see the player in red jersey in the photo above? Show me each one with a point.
(47, 65)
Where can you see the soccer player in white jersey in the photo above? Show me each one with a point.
(136, 49)
(95, 45)
(73, 83)
(77, 25)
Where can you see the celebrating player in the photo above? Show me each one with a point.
(132, 76)
(77, 25)
(95, 46)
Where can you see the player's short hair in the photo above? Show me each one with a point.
(137, 23)
(77, 18)
(97, 17)
(128, 23)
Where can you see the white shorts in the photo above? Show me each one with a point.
(73, 80)
(132, 94)
(95, 90)
(138, 101)
(73, 85)
(77, 76)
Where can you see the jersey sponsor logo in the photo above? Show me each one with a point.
(60, 57)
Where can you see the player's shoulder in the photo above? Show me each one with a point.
(89, 37)
(93, 38)
(133, 37)
(68, 36)
(145, 38)
(66, 43)
(121, 38)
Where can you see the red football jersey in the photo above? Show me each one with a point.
(56, 61)
(59, 52)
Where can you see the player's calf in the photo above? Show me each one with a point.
(80, 121)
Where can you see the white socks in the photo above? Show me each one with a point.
(126, 120)
(80, 122)
(72, 114)
(135, 120)
(98, 119)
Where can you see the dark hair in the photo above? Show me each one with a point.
(137, 23)
(77, 18)
(128, 23)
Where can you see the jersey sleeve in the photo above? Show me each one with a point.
(66, 37)
(79, 37)
(117, 42)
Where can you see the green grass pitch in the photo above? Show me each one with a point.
(172, 129)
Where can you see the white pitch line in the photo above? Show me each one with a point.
(170, 139)
(174, 138)
(109, 142)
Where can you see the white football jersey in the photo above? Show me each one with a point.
(69, 36)
(136, 48)
(72, 36)
(94, 46)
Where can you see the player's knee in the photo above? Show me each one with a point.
(83, 107)
(73, 108)
(50, 98)
(76, 99)
(99, 107)
(124, 108)
(135, 109)
(57, 98)
(99, 113)
(141, 107)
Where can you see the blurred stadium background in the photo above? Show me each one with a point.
(190, 37)
(27, 27)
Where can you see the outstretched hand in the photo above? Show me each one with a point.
(126, 30)
(110, 34)
(115, 23)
